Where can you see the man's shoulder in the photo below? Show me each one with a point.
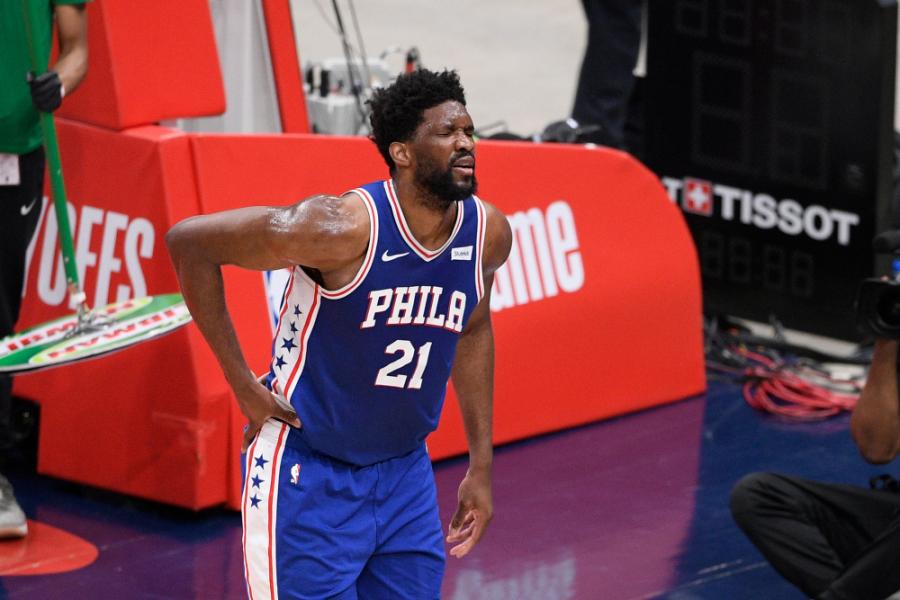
(373, 188)
(498, 235)
(328, 209)
(492, 214)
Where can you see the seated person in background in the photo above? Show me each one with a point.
(835, 541)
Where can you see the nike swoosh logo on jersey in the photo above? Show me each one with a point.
(24, 210)
(389, 257)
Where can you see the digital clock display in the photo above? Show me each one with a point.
(770, 123)
(776, 269)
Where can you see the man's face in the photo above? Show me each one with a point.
(444, 151)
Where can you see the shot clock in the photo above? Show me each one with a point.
(770, 123)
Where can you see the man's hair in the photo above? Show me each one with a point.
(398, 109)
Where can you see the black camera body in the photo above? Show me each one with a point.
(878, 298)
(878, 307)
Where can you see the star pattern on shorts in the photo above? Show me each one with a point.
(288, 344)
(279, 362)
(293, 327)
(256, 481)
(297, 311)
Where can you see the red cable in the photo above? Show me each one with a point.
(772, 386)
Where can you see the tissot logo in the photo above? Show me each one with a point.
(698, 197)
(761, 210)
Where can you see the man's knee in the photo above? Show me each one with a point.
(748, 494)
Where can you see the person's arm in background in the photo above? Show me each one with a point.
(875, 424)
(72, 64)
(48, 88)
(473, 381)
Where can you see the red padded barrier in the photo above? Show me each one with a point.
(149, 61)
(152, 420)
(286, 66)
(628, 333)
(598, 311)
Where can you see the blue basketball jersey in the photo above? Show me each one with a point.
(366, 366)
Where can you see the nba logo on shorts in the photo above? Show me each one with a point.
(295, 474)
(697, 197)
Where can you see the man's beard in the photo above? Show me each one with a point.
(442, 189)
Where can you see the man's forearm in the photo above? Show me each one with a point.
(72, 64)
(71, 69)
(204, 294)
(875, 423)
(473, 380)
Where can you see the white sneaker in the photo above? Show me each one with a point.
(12, 520)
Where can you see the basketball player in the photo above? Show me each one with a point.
(388, 297)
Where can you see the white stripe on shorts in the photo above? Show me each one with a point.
(259, 510)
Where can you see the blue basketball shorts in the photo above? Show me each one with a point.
(315, 527)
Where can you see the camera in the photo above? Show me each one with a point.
(878, 299)
(878, 307)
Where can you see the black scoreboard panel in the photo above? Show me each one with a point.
(770, 122)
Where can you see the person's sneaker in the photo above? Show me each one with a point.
(12, 520)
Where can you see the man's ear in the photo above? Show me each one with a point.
(400, 154)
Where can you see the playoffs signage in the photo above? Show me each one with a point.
(111, 250)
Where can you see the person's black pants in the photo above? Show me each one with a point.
(20, 209)
(831, 541)
(606, 79)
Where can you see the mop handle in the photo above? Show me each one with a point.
(48, 128)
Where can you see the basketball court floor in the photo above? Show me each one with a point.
(627, 509)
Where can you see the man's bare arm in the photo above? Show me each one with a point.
(875, 424)
(323, 232)
(473, 380)
(72, 64)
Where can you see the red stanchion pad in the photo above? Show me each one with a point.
(149, 61)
